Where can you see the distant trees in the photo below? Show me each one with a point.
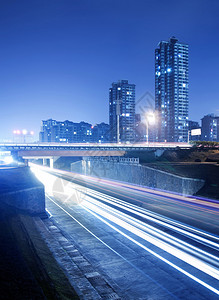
(205, 144)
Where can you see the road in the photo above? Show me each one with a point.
(149, 244)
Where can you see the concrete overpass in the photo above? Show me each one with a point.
(54, 150)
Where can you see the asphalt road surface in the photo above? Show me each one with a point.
(148, 244)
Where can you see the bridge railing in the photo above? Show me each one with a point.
(99, 145)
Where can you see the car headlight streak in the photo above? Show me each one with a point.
(155, 237)
(137, 231)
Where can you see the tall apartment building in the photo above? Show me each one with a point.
(210, 128)
(171, 91)
(122, 111)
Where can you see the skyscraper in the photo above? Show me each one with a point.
(122, 111)
(171, 91)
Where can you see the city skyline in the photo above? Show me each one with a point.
(59, 59)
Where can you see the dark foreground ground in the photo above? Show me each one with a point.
(27, 272)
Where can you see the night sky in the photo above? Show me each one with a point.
(58, 58)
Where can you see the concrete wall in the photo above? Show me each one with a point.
(138, 174)
(20, 189)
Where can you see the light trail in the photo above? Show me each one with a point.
(116, 214)
(105, 244)
(195, 278)
(164, 221)
(155, 194)
(155, 237)
(208, 286)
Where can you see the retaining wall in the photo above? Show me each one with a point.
(138, 174)
(20, 189)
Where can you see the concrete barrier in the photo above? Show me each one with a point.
(20, 189)
(137, 174)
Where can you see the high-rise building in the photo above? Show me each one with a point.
(210, 128)
(122, 111)
(171, 91)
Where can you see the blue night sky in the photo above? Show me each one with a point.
(58, 58)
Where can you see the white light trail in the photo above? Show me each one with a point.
(163, 221)
(208, 286)
(156, 238)
(98, 204)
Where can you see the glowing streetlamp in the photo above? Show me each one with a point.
(150, 120)
(22, 134)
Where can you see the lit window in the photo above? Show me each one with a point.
(169, 70)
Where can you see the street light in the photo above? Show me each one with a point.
(150, 120)
(21, 135)
(24, 132)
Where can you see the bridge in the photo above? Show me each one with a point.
(96, 148)
(54, 150)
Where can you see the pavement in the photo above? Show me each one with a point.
(83, 276)
(31, 271)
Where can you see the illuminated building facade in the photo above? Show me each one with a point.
(65, 132)
(210, 128)
(171, 91)
(122, 112)
(70, 132)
